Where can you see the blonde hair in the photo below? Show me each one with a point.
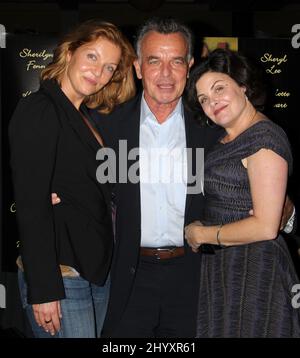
(121, 87)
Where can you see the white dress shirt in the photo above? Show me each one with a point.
(163, 177)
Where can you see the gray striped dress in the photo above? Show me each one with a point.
(246, 290)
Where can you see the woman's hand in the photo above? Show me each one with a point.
(48, 316)
(193, 235)
(55, 199)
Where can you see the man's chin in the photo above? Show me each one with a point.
(168, 99)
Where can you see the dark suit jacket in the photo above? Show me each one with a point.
(124, 123)
(53, 150)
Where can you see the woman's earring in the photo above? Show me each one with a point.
(210, 123)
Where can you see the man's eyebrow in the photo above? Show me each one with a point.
(152, 57)
(179, 58)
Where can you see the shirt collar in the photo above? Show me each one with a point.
(147, 114)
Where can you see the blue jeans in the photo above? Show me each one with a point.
(83, 309)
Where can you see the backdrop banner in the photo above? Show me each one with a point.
(22, 61)
(280, 64)
(20, 65)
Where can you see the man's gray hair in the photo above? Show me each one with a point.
(164, 26)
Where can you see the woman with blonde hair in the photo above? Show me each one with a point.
(66, 249)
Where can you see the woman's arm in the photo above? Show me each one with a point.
(267, 173)
(33, 134)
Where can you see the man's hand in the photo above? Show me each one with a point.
(287, 212)
(55, 199)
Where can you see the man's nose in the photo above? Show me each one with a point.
(166, 69)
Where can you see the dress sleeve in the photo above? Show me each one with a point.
(269, 135)
(33, 135)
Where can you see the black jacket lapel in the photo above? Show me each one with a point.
(129, 131)
(194, 140)
(52, 89)
(76, 122)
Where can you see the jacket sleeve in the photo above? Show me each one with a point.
(33, 135)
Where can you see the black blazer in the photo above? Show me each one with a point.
(124, 123)
(53, 150)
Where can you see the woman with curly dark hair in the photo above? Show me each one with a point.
(246, 284)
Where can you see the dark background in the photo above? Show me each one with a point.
(261, 26)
